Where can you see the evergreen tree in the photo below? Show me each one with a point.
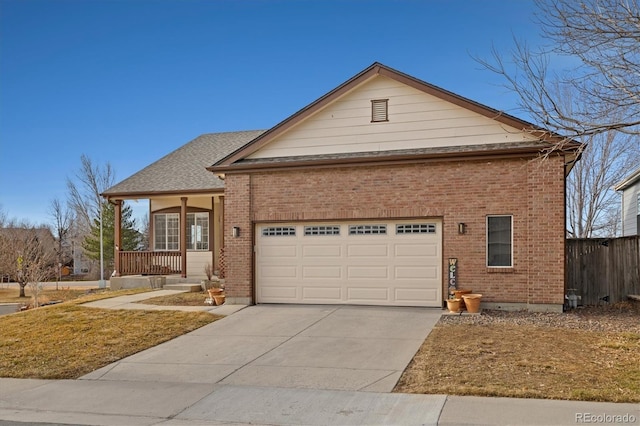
(131, 237)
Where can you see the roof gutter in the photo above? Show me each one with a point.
(383, 160)
(139, 195)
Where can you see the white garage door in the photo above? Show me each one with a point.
(395, 263)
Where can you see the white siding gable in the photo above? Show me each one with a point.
(416, 120)
(630, 210)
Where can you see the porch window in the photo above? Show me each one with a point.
(166, 228)
(198, 231)
(500, 241)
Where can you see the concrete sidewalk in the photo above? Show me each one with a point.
(279, 365)
(83, 402)
(132, 302)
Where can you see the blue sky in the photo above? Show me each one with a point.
(128, 81)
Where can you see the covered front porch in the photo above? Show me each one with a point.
(185, 238)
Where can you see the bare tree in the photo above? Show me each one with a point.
(62, 218)
(593, 207)
(3, 216)
(27, 254)
(84, 195)
(144, 231)
(595, 100)
(84, 198)
(602, 39)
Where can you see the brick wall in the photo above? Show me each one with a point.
(531, 190)
(238, 251)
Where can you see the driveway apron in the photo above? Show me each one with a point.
(357, 348)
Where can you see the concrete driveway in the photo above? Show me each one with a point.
(277, 365)
(359, 348)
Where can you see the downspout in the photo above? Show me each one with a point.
(183, 237)
(117, 236)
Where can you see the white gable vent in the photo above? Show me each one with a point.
(379, 110)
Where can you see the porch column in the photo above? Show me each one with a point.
(117, 236)
(183, 236)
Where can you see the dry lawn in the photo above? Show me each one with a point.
(588, 355)
(66, 341)
(181, 299)
(65, 294)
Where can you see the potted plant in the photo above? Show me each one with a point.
(453, 304)
(216, 293)
(458, 295)
(209, 282)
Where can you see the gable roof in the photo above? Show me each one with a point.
(184, 170)
(238, 158)
(628, 181)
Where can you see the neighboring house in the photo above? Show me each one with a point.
(630, 189)
(81, 264)
(364, 197)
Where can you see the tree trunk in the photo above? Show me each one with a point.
(22, 286)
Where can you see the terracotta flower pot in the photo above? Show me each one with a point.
(472, 301)
(217, 295)
(458, 295)
(454, 305)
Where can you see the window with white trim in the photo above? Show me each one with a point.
(416, 228)
(166, 231)
(367, 229)
(500, 241)
(279, 231)
(321, 230)
(198, 231)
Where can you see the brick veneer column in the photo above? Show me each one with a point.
(238, 251)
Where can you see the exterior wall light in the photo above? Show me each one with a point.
(235, 231)
(462, 228)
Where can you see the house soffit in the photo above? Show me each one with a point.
(630, 180)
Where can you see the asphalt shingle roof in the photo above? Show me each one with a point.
(375, 155)
(184, 169)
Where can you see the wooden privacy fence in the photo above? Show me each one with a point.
(603, 270)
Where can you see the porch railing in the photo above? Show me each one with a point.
(150, 263)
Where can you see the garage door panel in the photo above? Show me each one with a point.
(277, 271)
(322, 294)
(396, 263)
(368, 294)
(416, 250)
(310, 272)
(413, 294)
(322, 251)
(284, 293)
(416, 272)
(370, 272)
(276, 251)
(368, 250)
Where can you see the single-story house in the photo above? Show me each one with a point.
(630, 189)
(385, 191)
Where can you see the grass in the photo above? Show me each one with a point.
(526, 361)
(65, 294)
(181, 299)
(66, 341)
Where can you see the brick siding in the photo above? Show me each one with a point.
(532, 190)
